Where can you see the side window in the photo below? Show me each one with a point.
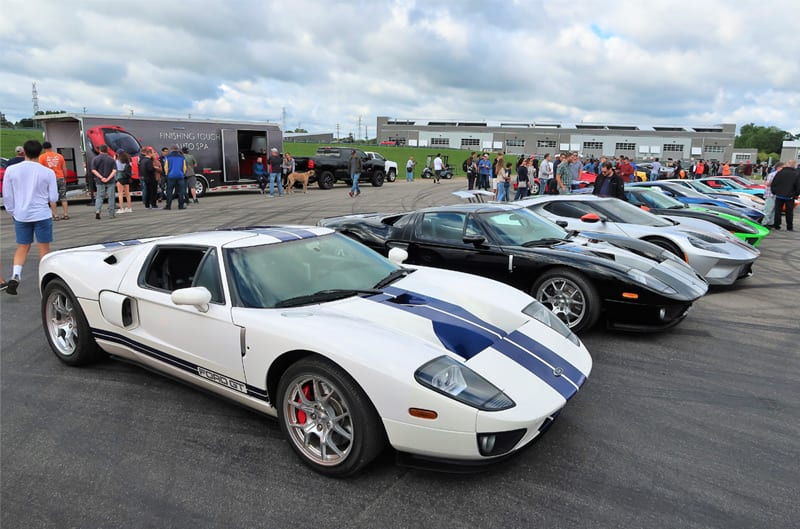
(573, 210)
(172, 268)
(208, 276)
(473, 229)
(442, 227)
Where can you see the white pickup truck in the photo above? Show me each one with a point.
(389, 167)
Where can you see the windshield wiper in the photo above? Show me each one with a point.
(326, 295)
(543, 242)
(392, 277)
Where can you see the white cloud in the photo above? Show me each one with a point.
(329, 63)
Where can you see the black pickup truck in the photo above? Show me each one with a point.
(332, 164)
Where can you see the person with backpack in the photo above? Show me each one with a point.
(471, 169)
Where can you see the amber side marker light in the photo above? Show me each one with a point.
(630, 295)
(422, 414)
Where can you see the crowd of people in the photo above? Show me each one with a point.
(561, 174)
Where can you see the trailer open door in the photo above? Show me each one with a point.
(230, 155)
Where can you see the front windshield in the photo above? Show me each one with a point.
(121, 141)
(519, 226)
(379, 157)
(654, 199)
(620, 211)
(266, 275)
(732, 183)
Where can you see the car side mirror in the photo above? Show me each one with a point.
(196, 296)
(398, 255)
(476, 240)
(591, 217)
(562, 223)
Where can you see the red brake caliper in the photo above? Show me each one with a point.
(301, 415)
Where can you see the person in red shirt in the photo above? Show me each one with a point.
(625, 169)
(55, 161)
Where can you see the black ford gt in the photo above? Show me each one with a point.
(631, 284)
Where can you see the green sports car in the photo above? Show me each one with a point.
(657, 202)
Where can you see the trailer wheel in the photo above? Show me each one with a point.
(201, 185)
(326, 180)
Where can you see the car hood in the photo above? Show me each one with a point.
(626, 253)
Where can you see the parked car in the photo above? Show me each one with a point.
(655, 201)
(332, 164)
(348, 349)
(719, 183)
(713, 252)
(630, 284)
(687, 191)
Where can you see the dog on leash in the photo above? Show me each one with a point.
(298, 177)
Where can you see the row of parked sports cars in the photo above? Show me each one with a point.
(448, 333)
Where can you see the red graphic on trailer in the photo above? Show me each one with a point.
(115, 138)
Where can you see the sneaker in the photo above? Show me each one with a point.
(97, 215)
(351, 194)
(196, 201)
(11, 286)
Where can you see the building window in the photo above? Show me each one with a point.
(443, 142)
(626, 146)
(714, 148)
(593, 145)
(673, 147)
(546, 144)
(470, 142)
(515, 142)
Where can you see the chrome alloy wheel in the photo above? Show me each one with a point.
(61, 323)
(565, 298)
(318, 419)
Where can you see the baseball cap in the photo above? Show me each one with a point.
(273, 149)
(19, 149)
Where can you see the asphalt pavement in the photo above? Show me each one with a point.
(695, 427)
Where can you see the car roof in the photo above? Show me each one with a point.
(247, 236)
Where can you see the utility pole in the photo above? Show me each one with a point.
(359, 127)
(337, 132)
(283, 119)
(35, 97)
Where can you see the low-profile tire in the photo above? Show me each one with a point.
(534, 188)
(66, 328)
(329, 420)
(570, 296)
(667, 245)
(326, 180)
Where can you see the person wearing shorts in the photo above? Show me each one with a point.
(55, 161)
(29, 188)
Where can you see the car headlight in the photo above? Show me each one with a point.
(542, 314)
(706, 242)
(454, 379)
(651, 282)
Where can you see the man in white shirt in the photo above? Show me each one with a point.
(29, 188)
(438, 167)
(545, 173)
(654, 170)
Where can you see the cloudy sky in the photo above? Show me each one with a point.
(321, 64)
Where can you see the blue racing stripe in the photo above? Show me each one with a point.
(466, 335)
(549, 356)
(287, 234)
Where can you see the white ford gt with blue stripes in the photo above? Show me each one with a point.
(348, 349)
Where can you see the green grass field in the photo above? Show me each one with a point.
(10, 138)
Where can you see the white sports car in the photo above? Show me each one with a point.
(712, 251)
(348, 349)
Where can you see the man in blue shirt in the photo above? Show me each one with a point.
(175, 172)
